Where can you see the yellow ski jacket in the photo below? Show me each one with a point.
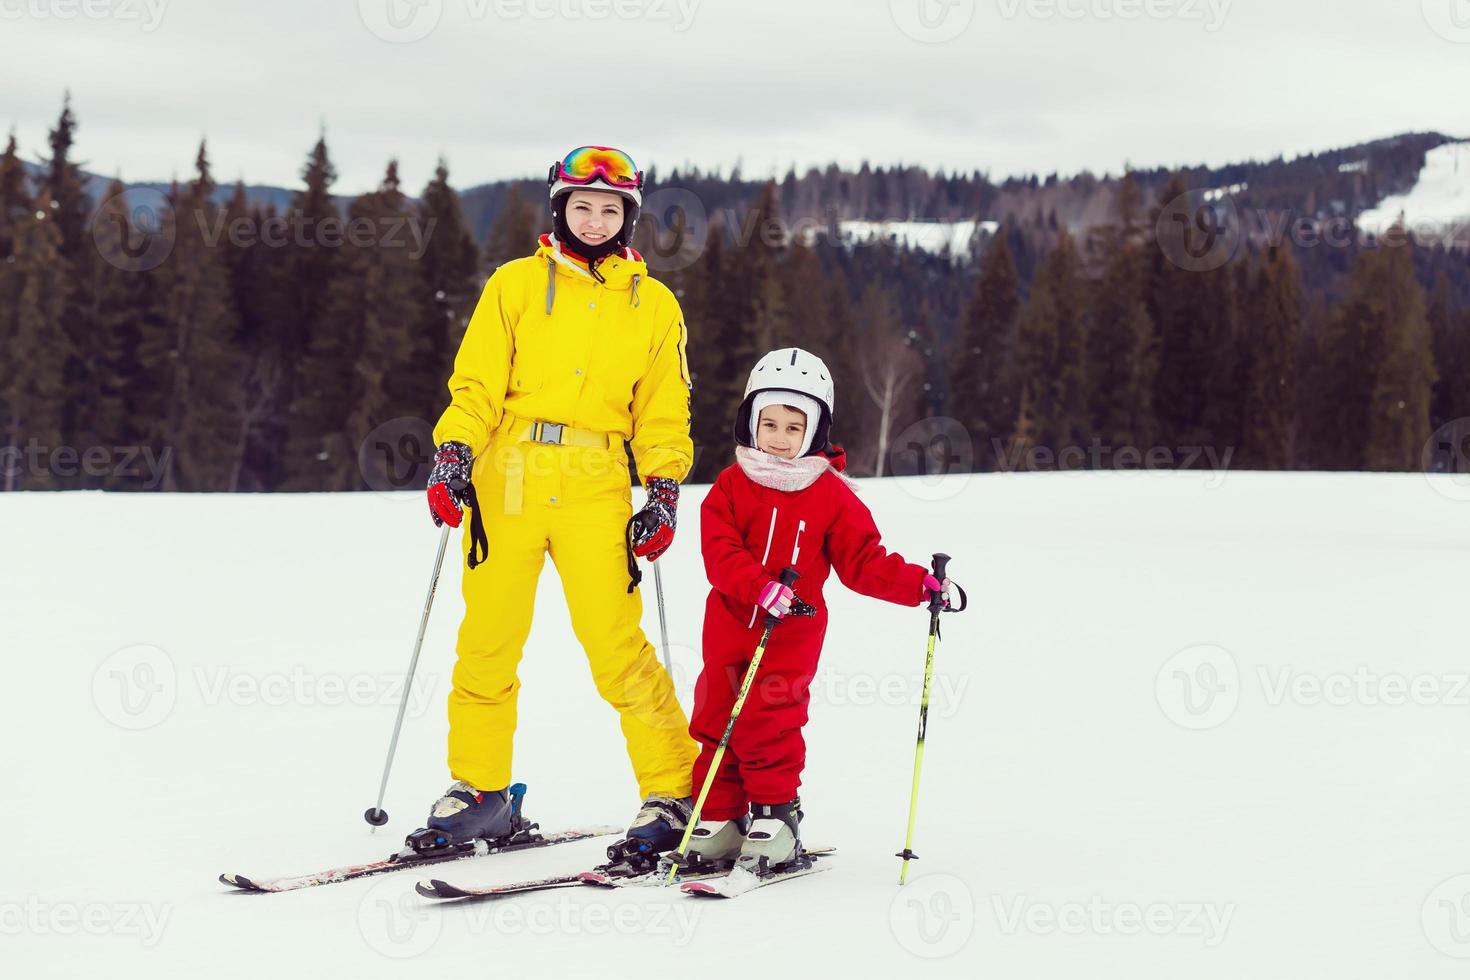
(548, 342)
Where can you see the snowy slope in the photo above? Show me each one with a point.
(953, 238)
(1437, 207)
(1128, 773)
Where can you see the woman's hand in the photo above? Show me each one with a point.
(653, 526)
(448, 480)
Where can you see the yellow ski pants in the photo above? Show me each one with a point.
(574, 502)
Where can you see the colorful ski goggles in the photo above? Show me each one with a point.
(586, 164)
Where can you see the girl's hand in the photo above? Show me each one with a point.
(776, 599)
(933, 585)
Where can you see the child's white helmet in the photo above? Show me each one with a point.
(789, 369)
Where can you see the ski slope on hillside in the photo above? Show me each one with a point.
(1437, 207)
(1195, 726)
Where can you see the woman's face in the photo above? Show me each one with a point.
(781, 431)
(595, 216)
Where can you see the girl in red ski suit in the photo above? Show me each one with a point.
(750, 533)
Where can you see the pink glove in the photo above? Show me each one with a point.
(932, 585)
(776, 599)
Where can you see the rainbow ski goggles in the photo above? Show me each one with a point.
(586, 164)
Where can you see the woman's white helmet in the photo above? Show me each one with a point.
(790, 369)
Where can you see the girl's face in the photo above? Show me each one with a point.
(595, 216)
(781, 431)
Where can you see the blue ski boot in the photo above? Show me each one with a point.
(658, 827)
(464, 813)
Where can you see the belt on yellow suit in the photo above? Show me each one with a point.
(520, 430)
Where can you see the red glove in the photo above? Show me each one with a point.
(653, 526)
(447, 482)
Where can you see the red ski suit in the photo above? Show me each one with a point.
(749, 534)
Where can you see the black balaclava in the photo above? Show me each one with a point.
(592, 253)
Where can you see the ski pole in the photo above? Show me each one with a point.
(788, 579)
(937, 605)
(663, 625)
(375, 815)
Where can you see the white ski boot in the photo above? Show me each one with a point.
(774, 838)
(715, 841)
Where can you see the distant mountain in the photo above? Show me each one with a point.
(1340, 183)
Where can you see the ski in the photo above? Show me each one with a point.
(409, 858)
(604, 876)
(742, 880)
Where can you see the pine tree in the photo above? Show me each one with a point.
(125, 307)
(1274, 324)
(32, 384)
(194, 356)
(983, 393)
(1181, 305)
(1051, 352)
(259, 277)
(65, 188)
(15, 196)
(451, 282)
(313, 262)
(514, 234)
(1378, 368)
(1451, 332)
(722, 350)
(1404, 383)
(363, 347)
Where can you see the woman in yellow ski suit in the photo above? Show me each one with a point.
(571, 353)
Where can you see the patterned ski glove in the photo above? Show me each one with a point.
(653, 526)
(449, 482)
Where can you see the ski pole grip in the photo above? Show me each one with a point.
(936, 599)
(789, 577)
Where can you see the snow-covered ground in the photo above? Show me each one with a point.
(1195, 726)
(1437, 207)
(953, 238)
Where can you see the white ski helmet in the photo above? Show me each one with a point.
(796, 370)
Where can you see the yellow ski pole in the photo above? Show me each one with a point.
(788, 579)
(936, 606)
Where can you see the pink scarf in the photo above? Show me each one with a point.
(783, 474)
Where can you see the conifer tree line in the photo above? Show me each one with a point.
(235, 347)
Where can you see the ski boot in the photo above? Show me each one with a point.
(715, 844)
(773, 842)
(658, 827)
(464, 813)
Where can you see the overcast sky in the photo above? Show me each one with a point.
(501, 87)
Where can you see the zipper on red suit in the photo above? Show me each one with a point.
(770, 536)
